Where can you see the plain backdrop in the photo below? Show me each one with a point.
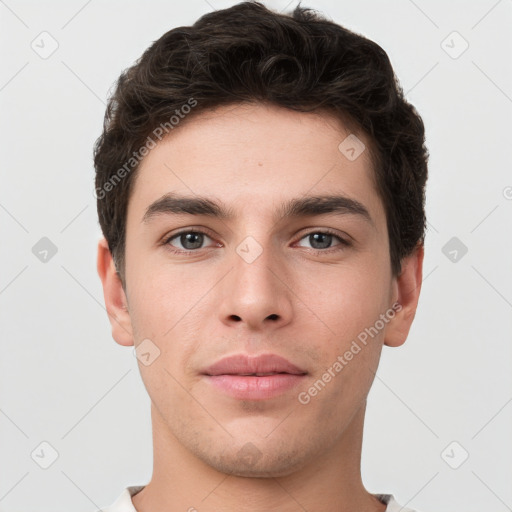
(439, 418)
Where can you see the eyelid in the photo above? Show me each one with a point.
(343, 241)
(191, 229)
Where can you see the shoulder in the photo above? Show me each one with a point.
(392, 504)
(124, 501)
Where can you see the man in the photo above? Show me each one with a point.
(260, 182)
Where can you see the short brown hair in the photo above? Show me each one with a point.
(248, 53)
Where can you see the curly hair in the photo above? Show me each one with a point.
(248, 53)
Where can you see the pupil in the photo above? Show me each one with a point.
(323, 239)
(192, 240)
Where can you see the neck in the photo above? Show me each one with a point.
(330, 482)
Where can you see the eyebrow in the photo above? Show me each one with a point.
(172, 203)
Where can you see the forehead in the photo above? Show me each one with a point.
(257, 155)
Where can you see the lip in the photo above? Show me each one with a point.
(240, 376)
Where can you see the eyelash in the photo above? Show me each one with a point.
(343, 243)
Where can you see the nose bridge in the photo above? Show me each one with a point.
(252, 266)
(255, 292)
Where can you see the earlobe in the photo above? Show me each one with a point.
(408, 286)
(114, 296)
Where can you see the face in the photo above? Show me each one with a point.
(311, 285)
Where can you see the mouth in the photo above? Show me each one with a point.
(257, 374)
(259, 377)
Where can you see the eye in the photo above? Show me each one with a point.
(193, 240)
(322, 240)
(187, 240)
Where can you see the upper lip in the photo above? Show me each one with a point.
(244, 364)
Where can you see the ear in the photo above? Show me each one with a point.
(114, 295)
(407, 288)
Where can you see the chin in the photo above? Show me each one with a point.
(250, 462)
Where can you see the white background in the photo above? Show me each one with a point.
(65, 381)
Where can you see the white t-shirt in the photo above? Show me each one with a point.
(124, 502)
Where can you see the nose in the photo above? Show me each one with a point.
(256, 293)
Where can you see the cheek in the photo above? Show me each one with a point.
(346, 300)
(166, 308)
(159, 297)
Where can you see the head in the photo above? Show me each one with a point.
(287, 152)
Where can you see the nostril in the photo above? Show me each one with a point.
(273, 317)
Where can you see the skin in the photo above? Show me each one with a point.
(199, 308)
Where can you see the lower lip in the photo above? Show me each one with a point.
(252, 387)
